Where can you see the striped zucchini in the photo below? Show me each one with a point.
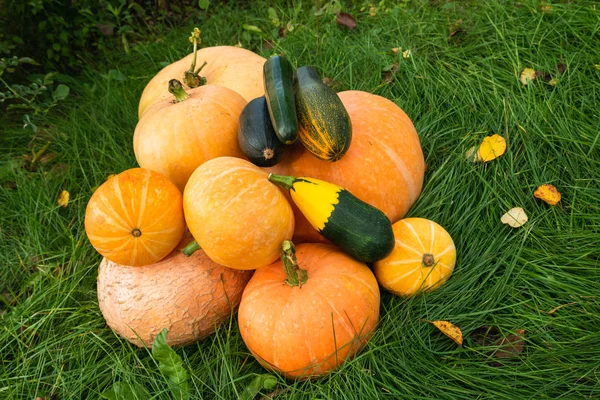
(358, 228)
(279, 92)
(324, 125)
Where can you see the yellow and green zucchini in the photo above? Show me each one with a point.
(279, 91)
(324, 126)
(361, 230)
(256, 136)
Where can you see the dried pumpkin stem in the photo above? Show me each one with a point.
(191, 77)
(191, 248)
(286, 182)
(176, 89)
(295, 275)
(428, 260)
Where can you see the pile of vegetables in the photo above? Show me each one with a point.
(261, 189)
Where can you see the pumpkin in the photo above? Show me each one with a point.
(190, 296)
(135, 218)
(384, 165)
(304, 316)
(235, 68)
(174, 138)
(422, 260)
(235, 214)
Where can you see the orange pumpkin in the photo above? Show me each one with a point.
(384, 165)
(235, 68)
(190, 296)
(135, 218)
(174, 138)
(235, 214)
(304, 318)
(422, 260)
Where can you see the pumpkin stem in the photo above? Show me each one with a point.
(176, 89)
(286, 182)
(191, 77)
(428, 260)
(295, 275)
(191, 248)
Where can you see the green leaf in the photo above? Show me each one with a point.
(252, 28)
(28, 60)
(61, 92)
(203, 4)
(171, 365)
(116, 75)
(260, 382)
(126, 391)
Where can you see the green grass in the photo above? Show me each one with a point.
(457, 89)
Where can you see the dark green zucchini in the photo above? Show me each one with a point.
(279, 92)
(256, 136)
(324, 125)
(358, 228)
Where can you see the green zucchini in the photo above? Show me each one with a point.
(256, 136)
(324, 125)
(279, 92)
(361, 230)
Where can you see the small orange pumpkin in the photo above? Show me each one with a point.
(175, 137)
(190, 296)
(135, 218)
(304, 315)
(422, 260)
(235, 214)
(384, 165)
(232, 67)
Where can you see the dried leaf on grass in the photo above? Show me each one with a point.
(63, 199)
(450, 330)
(389, 71)
(548, 194)
(492, 147)
(345, 19)
(502, 346)
(473, 154)
(527, 75)
(515, 217)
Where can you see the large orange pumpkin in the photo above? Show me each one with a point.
(384, 165)
(174, 138)
(190, 296)
(235, 214)
(235, 68)
(305, 326)
(135, 218)
(422, 260)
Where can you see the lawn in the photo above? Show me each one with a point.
(459, 84)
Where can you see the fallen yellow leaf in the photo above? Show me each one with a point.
(597, 66)
(450, 330)
(63, 199)
(548, 193)
(407, 54)
(527, 75)
(515, 217)
(395, 50)
(492, 147)
(552, 82)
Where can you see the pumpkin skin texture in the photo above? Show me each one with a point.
(135, 218)
(290, 329)
(384, 165)
(422, 260)
(235, 68)
(174, 138)
(235, 214)
(190, 296)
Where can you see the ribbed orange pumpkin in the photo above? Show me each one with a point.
(174, 138)
(235, 214)
(190, 296)
(384, 165)
(422, 260)
(309, 330)
(135, 218)
(232, 67)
